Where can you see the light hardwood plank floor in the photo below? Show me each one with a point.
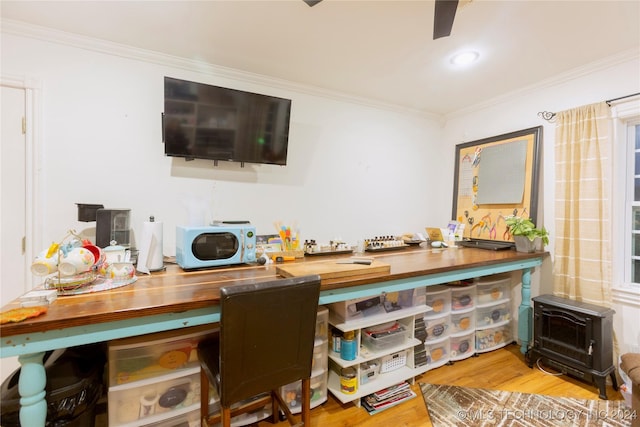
(503, 369)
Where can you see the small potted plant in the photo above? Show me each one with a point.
(527, 236)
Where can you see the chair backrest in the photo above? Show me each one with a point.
(267, 333)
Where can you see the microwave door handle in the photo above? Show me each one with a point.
(242, 245)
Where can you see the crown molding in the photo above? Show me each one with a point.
(50, 35)
(603, 64)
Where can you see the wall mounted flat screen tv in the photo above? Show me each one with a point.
(209, 122)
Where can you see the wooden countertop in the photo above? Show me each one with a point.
(175, 290)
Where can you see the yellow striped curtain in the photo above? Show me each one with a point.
(582, 256)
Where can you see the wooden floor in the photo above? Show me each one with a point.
(503, 369)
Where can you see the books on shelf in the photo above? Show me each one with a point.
(387, 398)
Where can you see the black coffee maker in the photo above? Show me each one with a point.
(113, 224)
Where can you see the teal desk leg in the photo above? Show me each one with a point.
(524, 312)
(33, 406)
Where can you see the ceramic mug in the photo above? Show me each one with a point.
(42, 265)
(119, 271)
(95, 250)
(77, 260)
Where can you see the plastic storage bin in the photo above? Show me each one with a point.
(292, 393)
(147, 357)
(369, 371)
(191, 419)
(357, 308)
(322, 322)
(438, 297)
(463, 321)
(437, 326)
(493, 338)
(384, 337)
(492, 314)
(462, 346)
(493, 288)
(437, 352)
(463, 297)
(320, 359)
(146, 399)
(403, 299)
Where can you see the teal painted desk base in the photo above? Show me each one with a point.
(31, 348)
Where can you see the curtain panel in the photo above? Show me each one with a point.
(582, 256)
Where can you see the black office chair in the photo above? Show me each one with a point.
(266, 341)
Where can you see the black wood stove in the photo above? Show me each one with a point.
(575, 338)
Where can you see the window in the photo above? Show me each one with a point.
(632, 241)
(625, 203)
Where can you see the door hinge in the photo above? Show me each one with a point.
(24, 244)
(24, 126)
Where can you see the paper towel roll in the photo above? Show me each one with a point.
(150, 251)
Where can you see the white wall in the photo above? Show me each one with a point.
(610, 79)
(354, 171)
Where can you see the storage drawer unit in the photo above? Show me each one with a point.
(493, 288)
(291, 393)
(437, 352)
(437, 327)
(147, 401)
(396, 362)
(493, 338)
(191, 419)
(463, 297)
(462, 346)
(153, 355)
(463, 321)
(487, 315)
(438, 297)
(154, 379)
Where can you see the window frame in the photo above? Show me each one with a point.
(626, 122)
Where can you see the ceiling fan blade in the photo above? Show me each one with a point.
(445, 12)
(312, 3)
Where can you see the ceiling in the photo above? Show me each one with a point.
(379, 50)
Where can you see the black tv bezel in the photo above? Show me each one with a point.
(235, 158)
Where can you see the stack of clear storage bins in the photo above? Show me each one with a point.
(463, 321)
(493, 312)
(438, 325)
(154, 380)
(292, 393)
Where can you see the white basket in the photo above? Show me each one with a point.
(394, 361)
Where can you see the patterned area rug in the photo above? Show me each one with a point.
(476, 407)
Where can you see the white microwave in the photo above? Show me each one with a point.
(215, 245)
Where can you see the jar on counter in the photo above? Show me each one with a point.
(348, 380)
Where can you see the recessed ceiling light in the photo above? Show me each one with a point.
(465, 58)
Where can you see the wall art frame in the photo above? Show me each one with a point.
(494, 178)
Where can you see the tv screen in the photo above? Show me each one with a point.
(210, 122)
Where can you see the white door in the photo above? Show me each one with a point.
(13, 282)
